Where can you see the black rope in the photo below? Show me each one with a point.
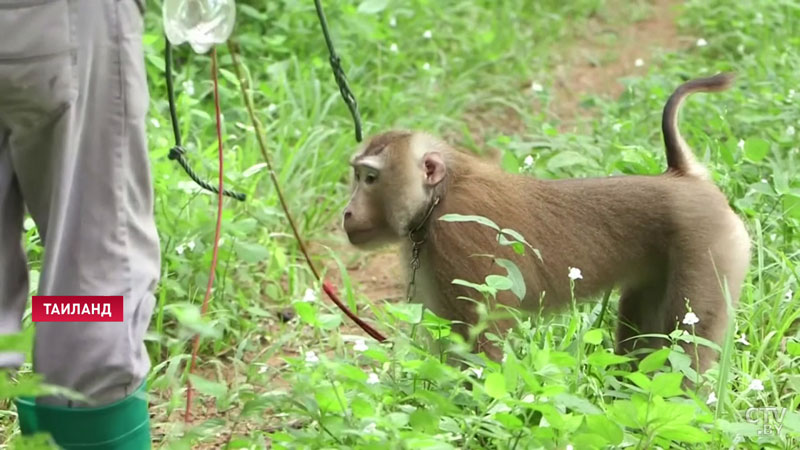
(177, 153)
(338, 73)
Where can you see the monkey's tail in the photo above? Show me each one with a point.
(680, 158)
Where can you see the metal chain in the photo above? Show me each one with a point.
(416, 245)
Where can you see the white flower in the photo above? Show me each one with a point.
(740, 145)
(427, 34)
(309, 296)
(616, 127)
(788, 295)
(392, 21)
(372, 378)
(188, 86)
(263, 369)
(702, 42)
(155, 123)
(311, 357)
(756, 385)
(28, 224)
(426, 66)
(764, 180)
(743, 340)
(712, 398)
(179, 249)
(360, 346)
(639, 62)
(790, 131)
(536, 87)
(528, 162)
(690, 318)
(575, 274)
(478, 371)
(370, 428)
(272, 107)
(393, 48)
(190, 245)
(569, 447)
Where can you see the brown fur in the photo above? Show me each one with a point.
(662, 238)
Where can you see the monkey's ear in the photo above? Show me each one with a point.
(434, 167)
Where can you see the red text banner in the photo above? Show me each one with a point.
(78, 308)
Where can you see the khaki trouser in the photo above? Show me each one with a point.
(73, 150)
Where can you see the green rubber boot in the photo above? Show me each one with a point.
(124, 425)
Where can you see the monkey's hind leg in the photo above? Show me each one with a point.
(640, 309)
(698, 285)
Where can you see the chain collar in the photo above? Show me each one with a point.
(416, 245)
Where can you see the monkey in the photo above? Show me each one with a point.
(666, 240)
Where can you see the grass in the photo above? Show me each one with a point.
(310, 383)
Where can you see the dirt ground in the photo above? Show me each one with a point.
(592, 64)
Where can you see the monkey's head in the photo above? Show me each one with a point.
(394, 177)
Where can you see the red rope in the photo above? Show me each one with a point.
(213, 269)
(328, 288)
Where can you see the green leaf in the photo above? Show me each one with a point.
(567, 158)
(575, 403)
(207, 387)
(483, 289)
(654, 361)
(793, 348)
(639, 379)
(406, 312)
(495, 385)
(515, 275)
(684, 433)
(756, 149)
(256, 406)
(306, 312)
(20, 342)
(248, 10)
(593, 337)
(791, 205)
(499, 282)
(727, 151)
(603, 358)
(667, 384)
(328, 398)
(251, 253)
(424, 421)
(603, 426)
(509, 162)
(467, 218)
(329, 321)
(372, 6)
(509, 421)
(362, 408)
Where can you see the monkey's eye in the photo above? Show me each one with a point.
(370, 178)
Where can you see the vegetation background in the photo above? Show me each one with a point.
(560, 89)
